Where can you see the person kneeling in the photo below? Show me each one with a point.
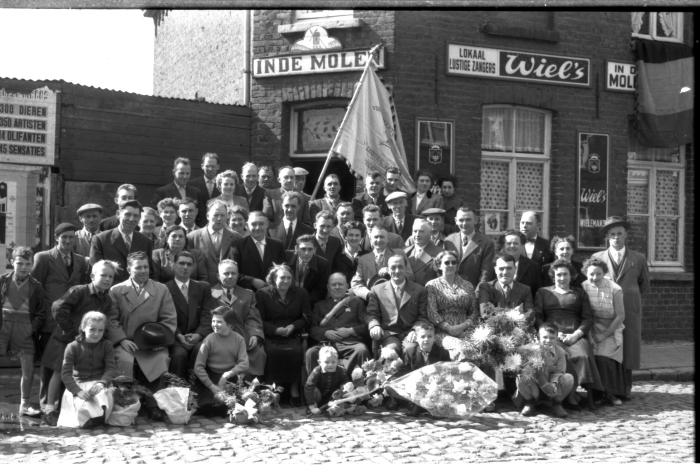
(551, 379)
(222, 356)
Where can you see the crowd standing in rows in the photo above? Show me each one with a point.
(222, 277)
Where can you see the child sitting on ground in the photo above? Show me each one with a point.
(23, 305)
(551, 379)
(88, 368)
(324, 379)
(222, 356)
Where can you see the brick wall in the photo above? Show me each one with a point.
(669, 311)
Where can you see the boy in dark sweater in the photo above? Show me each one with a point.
(324, 379)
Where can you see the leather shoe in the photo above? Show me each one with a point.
(528, 410)
(50, 418)
(559, 411)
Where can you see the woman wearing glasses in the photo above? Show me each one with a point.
(452, 304)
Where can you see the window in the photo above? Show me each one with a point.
(515, 160)
(660, 26)
(655, 203)
(302, 20)
(313, 128)
(321, 14)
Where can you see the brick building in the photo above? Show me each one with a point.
(529, 109)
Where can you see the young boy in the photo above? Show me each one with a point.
(324, 379)
(221, 357)
(22, 301)
(551, 380)
(424, 351)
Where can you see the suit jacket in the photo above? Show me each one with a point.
(278, 212)
(193, 313)
(82, 242)
(382, 310)
(250, 265)
(528, 273)
(201, 185)
(154, 304)
(413, 358)
(394, 241)
(279, 232)
(169, 190)
(424, 267)
(491, 292)
(51, 271)
(316, 205)
(434, 201)
(259, 200)
(541, 254)
(247, 320)
(361, 200)
(406, 231)
(350, 323)
(476, 262)
(110, 245)
(333, 248)
(348, 265)
(367, 270)
(208, 264)
(316, 277)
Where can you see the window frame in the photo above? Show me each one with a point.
(294, 123)
(303, 15)
(653, 19)
(652, 167)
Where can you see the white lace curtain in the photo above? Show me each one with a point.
(513, 129)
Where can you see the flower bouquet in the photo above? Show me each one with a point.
(176, 398)
(447, 389)
(249, 402)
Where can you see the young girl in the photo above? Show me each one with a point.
(88, 368)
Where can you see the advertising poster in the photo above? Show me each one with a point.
(592, 189)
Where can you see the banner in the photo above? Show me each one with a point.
(369, 138)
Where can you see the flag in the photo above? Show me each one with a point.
(369, 139)
(665, 82)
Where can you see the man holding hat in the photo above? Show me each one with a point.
(628, 268)
(399, 221)
(57, 270)
(89, 215)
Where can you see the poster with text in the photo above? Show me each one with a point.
(593, 155)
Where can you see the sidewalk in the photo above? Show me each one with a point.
(667, 361)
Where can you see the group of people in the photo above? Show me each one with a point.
(219, 279)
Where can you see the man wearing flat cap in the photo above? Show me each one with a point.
(57, 270)
(399, 222)
(89, 215)
(436, 218)
(300, 181)
(628, 268)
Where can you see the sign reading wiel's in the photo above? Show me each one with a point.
(474, 61)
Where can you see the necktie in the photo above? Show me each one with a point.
(379, 259)
(322, 244)
(261, 249)
(301, 273)
(210, 186)
(618, 257)
(183, 288)
(127, 242)
(399, 296)
(288, 237)
(418, 253)
(506, 292)
(399, 225)
(216, 239)
(228, 294)
(66, 259)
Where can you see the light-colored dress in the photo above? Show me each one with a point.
(452, 304)
(606, 302)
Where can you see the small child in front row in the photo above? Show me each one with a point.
(88, 368)
(221, 356)
(324, 379)
(551, 379)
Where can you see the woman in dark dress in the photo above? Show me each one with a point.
(163, 258)
(564, 248)
(284, 309)
(569, 309)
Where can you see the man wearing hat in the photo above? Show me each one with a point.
(331, 186)
(140, 300)
(89, 215)
(628, 268)
(436, 218)
(399, 221)
(300, 180)
(57, 270)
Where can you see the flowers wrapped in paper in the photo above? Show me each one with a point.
(249, 402)
(450, 389)
(177, 402)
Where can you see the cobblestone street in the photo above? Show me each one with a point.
(656, 425)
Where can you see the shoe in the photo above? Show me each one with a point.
(490, 408)
(528, 410)
(559, 411)
(50, 418)
(518, 402)
(615, 401)
(29, 411)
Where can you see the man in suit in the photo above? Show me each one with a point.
(343, 215)
(181, 188)
(256, 253)
(374, 184)
(392, 181)
(187, 211)
(89, 215)
(193, 306)
(526, 272)
(423, 197)
(206, 183)
(373, 265)
(124, 193)
(117, 243)
(475, 250)
(536, 247)
(140, 300)
(327, 246)
(504, 291)
(57, 270)
(266, 178)
(331, 186)
(309, 270)
(214, 242)
(394, 306)
(421, 254)
(290, 227)
(628, 268)
(255, 195)
(285, 176)
(371, 217)
(300, 180)
(399, 221)
(435, 217)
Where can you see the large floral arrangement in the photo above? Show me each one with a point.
(498, 341)
(251, 401)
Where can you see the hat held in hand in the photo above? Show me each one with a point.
(153, 336)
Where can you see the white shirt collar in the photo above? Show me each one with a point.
(398, 287)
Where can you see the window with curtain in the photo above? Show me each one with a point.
(515, 161)
(659, 26)
(655, 204)
(313, 128)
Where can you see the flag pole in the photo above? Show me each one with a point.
(370, 59)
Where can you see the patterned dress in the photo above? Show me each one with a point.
(452, 304)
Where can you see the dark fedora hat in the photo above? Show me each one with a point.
(614, 221)
(153, 335)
